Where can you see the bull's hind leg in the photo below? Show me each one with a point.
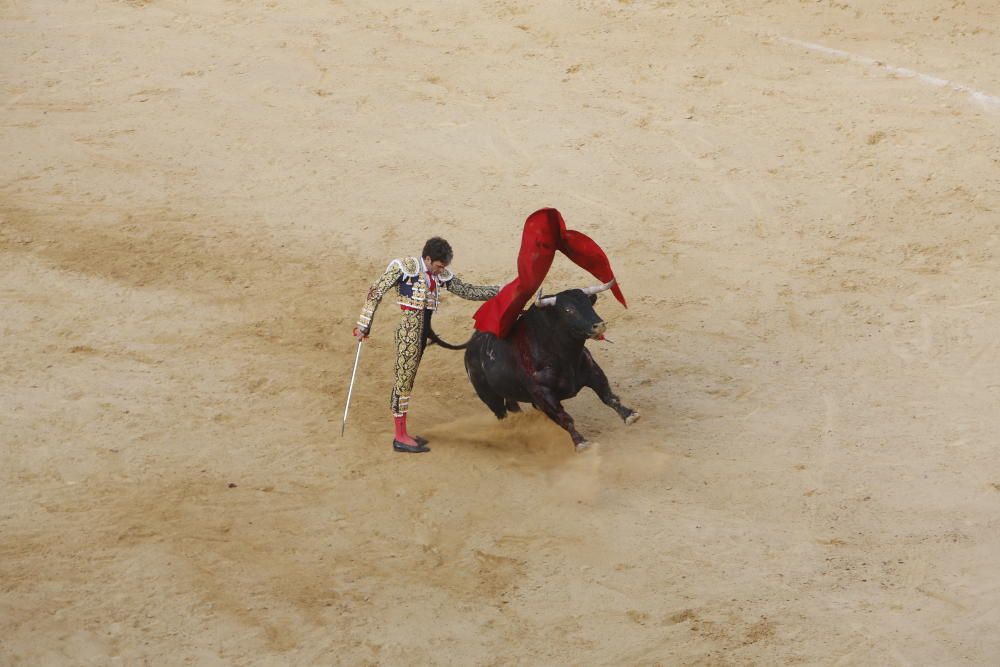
(493, 401)
(478, 378)
(512, 405)
(598, 381)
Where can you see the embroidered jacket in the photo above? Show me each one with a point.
(409, 276)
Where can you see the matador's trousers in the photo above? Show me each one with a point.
(411, 339)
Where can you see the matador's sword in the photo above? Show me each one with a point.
(350, 389)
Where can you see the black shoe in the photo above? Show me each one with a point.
(421, 440)
(409, 449)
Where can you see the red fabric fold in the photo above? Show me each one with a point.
(544, 233)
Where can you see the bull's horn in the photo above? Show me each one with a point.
(598, 288)
(545, 301)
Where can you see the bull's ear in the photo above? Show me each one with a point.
(593, 299)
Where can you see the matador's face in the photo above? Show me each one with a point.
(434, 267)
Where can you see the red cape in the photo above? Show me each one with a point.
(544, 233)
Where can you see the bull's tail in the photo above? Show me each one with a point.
(448, 346)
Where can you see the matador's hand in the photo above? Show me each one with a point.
(360, 335)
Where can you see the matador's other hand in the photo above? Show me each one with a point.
(360, 335)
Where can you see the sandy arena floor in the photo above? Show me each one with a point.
(800, 200)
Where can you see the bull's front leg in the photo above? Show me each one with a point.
(598, 381)
(550, 405)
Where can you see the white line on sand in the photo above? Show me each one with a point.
(991, 102)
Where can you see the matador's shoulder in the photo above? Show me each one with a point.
(410, 266)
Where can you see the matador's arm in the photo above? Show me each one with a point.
(471, 292)
(378, 289)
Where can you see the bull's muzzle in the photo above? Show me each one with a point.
(598, 329)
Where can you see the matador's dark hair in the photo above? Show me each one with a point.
(438, 250)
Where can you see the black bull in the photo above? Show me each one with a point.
(542, 362)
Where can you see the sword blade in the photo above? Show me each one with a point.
(350, 389)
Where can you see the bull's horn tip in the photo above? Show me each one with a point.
(599, 288)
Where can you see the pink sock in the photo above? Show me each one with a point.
(401, 434)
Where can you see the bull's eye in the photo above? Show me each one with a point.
(568, 309)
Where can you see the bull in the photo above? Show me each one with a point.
(544, 360)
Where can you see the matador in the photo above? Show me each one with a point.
(418, 282)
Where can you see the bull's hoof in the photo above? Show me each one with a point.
(583, 446)
(632, 418)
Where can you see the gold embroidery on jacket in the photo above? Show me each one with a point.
(387, 280)
(471, 292)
